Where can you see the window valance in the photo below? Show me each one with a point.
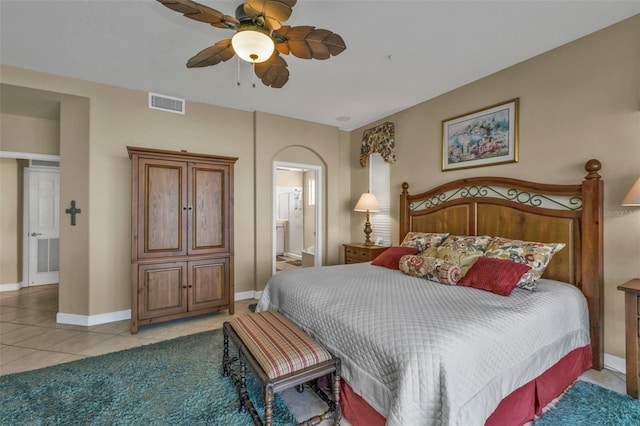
(378, 139)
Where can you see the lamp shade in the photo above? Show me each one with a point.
(252, 45)
(633, 196)
(367, 202)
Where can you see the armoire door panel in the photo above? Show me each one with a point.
(207, 220)
(208, 283)
(163, 189)
(162, 289)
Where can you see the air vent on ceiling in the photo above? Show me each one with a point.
(166, 103)
(44, 163)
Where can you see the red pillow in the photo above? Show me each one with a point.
(499, 276)
(391, 256)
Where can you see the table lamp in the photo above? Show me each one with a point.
(367, 203)
(633, 196)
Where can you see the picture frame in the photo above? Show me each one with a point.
(485, 137)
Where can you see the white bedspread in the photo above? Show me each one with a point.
(423, 353)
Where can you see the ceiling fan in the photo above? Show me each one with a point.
(260, 37)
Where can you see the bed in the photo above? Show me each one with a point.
(416, 352)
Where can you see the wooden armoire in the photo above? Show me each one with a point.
(181, 235)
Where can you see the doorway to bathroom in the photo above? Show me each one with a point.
(297, 216)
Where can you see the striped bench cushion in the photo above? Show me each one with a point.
(279, 346)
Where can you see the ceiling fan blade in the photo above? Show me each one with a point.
(308, 42)
(201, 13)
(212, 55)
(273, 11)
(273, 72)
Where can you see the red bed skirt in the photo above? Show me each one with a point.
(516, 409)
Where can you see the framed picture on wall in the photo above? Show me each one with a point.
(484, 137)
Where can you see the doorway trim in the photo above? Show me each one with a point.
(319, 203)
(25, 248)
(28, 156)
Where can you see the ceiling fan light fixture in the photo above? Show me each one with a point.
(253, 44)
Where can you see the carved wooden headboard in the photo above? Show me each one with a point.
(517, 209)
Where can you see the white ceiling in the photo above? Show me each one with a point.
(399, 53)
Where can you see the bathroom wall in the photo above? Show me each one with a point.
(289, 204)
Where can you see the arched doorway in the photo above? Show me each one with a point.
(297, 216)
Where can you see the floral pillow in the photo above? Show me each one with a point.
(463, 250)
(431, 268)
(536, 255)
(423, 240)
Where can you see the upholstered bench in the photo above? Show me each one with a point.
(281, 356)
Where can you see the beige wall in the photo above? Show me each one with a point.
(76, 246)
(577, 102)
(289, 178)
(11, 220)
(19, 133)
(98, 122)
(10, 250)
(283, 139)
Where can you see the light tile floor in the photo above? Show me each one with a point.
(286, 263)
(30, 338)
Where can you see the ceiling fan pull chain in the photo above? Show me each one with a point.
(254, 75)
(238, 57)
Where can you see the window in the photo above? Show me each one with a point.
(380, 185)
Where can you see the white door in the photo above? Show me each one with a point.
(43, 225)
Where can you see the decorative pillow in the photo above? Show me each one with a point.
(423, 240)
(463, 250)
(498, 276)
(430, 252)
(536, 255)
(391, 256)
(430, 268)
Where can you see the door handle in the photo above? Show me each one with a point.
(35, 234)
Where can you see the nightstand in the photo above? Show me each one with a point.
(358, 253)
(632, 333)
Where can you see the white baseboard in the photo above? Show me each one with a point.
(248, 295)
(89, 320)
(10, 287)
(615, 363)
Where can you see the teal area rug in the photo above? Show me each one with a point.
(587, 404)
(176, 382)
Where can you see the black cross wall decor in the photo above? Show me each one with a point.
(73, 212)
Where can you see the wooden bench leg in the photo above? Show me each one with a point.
(337, 410)
(243, 394)
(225, 353)
(268, 404)
(238, 381)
